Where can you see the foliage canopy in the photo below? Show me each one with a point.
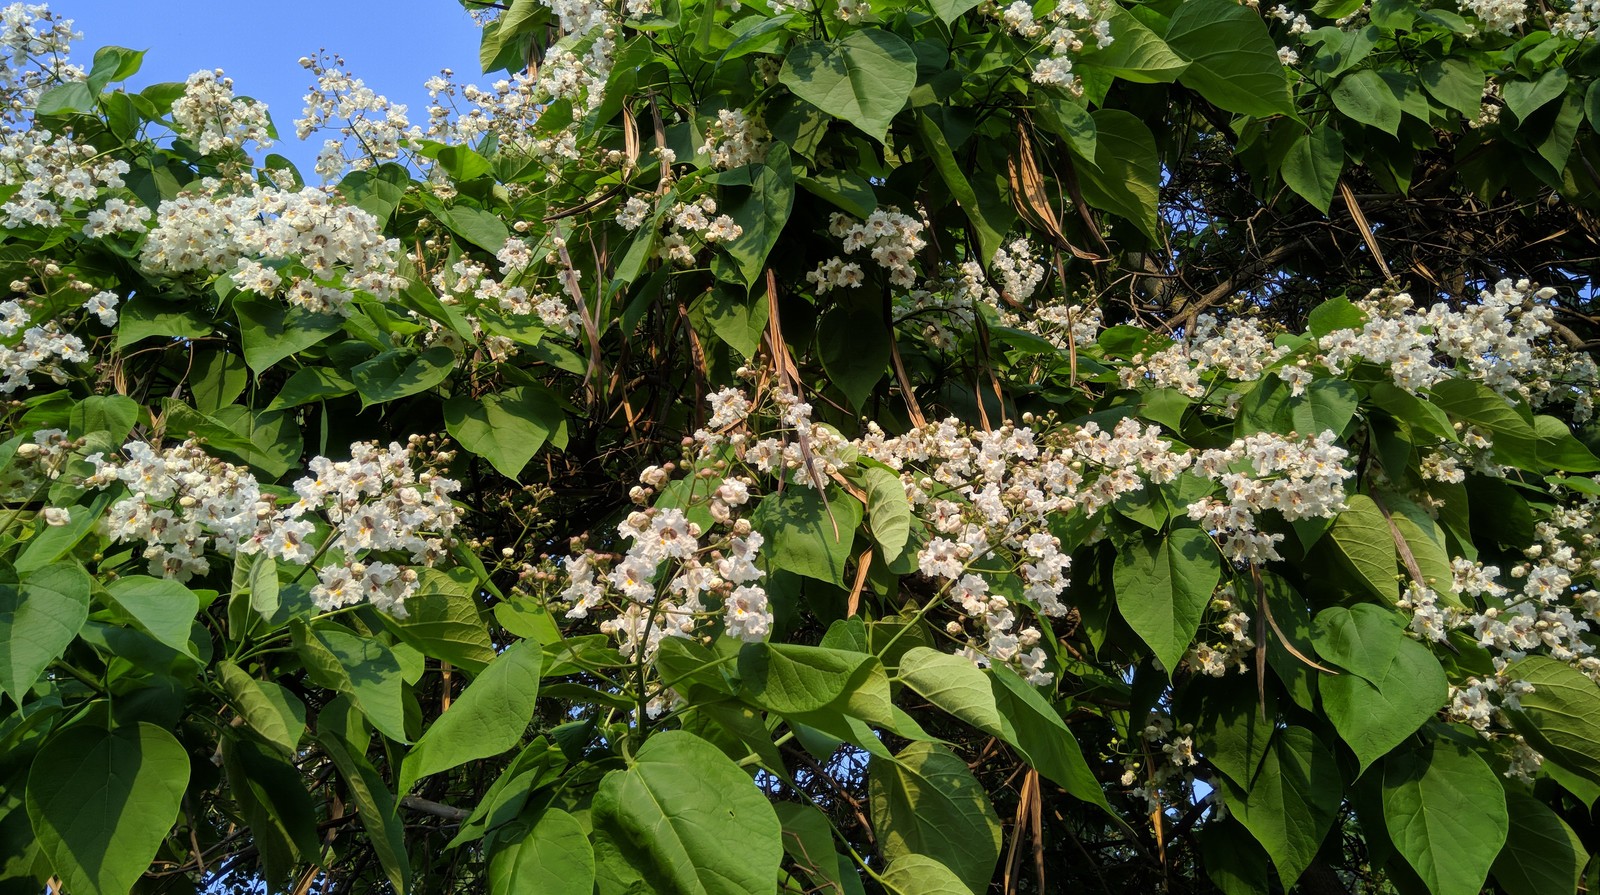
(906, 447)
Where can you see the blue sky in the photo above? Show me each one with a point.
(393, 45)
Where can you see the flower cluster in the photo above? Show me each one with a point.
(347, 104)
(42, 349)
(693, 224)
(1502, 16)
(209, 116)
(891, 238)
(1238, 349)
(1494, 338)
(1233, 646)
(186, 506)
(1058, 34)
(735, 139)
(664, 578)
(1020, 274)
(376, 503)
(1578, 21)
(57, 177)
(35, 44)
(302, 246)
(1300, 478)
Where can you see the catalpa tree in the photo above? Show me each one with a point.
(910, 446)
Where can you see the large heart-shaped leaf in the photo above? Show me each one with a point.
(926, 802)
(864, 78)
(1292, 802)
(506, 428)
(1437, 797)
(489, 717)
(551, 855)
(1233, 61)
(38, 620)
(683, 819)
(1163, 586)
(103, 800)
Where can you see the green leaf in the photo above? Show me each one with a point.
(1446, 814)
(808, 840)
(684, 820)
(853, 343)
(1362, 640)
(1327, 406)
(1233, 61)
(144, 316)
(1229, 728)
(1366, 97)
(1524, 98)
(1375, 715)
(483, 229)
(375, 805)
(310, 384)
(113, 64)
(1313, 165)
(442, 620)
(269, 441)
(113, 414)
(1561, 717)
(1136, 54)
(926, 802)
(762, 212)
(1333, 315)
(271, 331)
(1292, 803)
(1125, 174)
(54, 541)
(796, 680)
(102, 801)
(1515, 439)
(736, 319)
(160, 607)
(1542, 854)
(273, 800)
(359, 667)
(1071, 120)
(1336, 9)
(488, 717)
(864, 78)
(802, 535)
(1163, 585)
(850, 192)
(377, 191)
(1413, 410)
(1559, 449)
(950, 10)
(1455, 82)
(399, 373)
(506, 428)
(888, 512)
(922, 875)
(74, 96)
(1234, 862)
(1362, 536)
(955, 179)
(39, 619)
(1591, 102)
(757, 38)
(216, 378)
(270, 710)
(551, 856)
(1003, 705)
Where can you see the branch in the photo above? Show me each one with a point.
(425, 806)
